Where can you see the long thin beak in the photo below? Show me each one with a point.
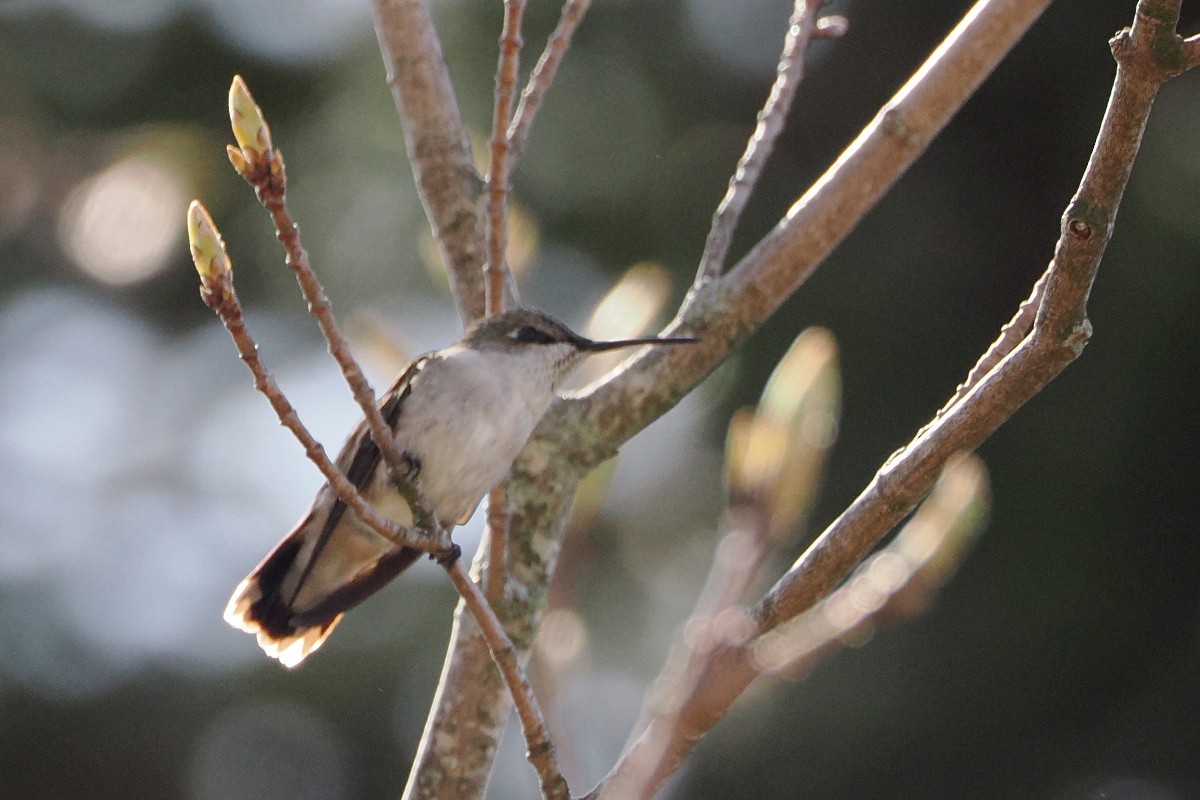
(588, 346)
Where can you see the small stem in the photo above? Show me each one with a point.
(543, 74)
(715, 620)
(1010, 336)
(771, 119)
(224, 301)
(272, 194)
(498, 276)
(497, 179)
(540, 750)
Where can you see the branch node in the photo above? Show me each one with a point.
(896, 124)
(1079, 229)
(1079, 337)
(833, 26)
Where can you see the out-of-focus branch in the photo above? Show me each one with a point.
(898, 582)
(544, 72)
(438, 148)
(771, 119)
(1147, 56)
(774, 460)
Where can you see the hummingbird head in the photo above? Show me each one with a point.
(529, 333)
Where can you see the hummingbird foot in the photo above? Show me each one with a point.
(448, 556)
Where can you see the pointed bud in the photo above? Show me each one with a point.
(249, 127)
(797, 418)
(208, 250)
(947, 523)
(755, 449)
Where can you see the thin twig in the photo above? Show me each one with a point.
(438, 148)
(382, 434)
(223, 300)
(540, 750)
(1060, 331)
(262, 166)
(1010, 336)
(497, 272)
(498, 172)
(544, 72)
(771, 119)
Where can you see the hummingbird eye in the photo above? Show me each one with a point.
(527, 334)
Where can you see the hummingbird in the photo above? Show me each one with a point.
(460, 416)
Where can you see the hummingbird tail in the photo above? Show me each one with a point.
(293, 600)
(289, 644)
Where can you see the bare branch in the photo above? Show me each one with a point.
(263, 168)
(218, 293)
(789, 74)
(540, 749)
(1060, 331)
(496, 271)
(544, 72)
(437, 143)
(472, 704)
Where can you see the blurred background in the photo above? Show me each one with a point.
(141, 477)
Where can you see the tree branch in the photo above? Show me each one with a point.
(496, 270)
(544, 72)
(497, 273)
(771, 120)
(218, 293)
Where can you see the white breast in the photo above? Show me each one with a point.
(467, 417)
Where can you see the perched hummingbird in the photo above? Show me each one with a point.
(460, 416)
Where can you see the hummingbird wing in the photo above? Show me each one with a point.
(330, 557)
